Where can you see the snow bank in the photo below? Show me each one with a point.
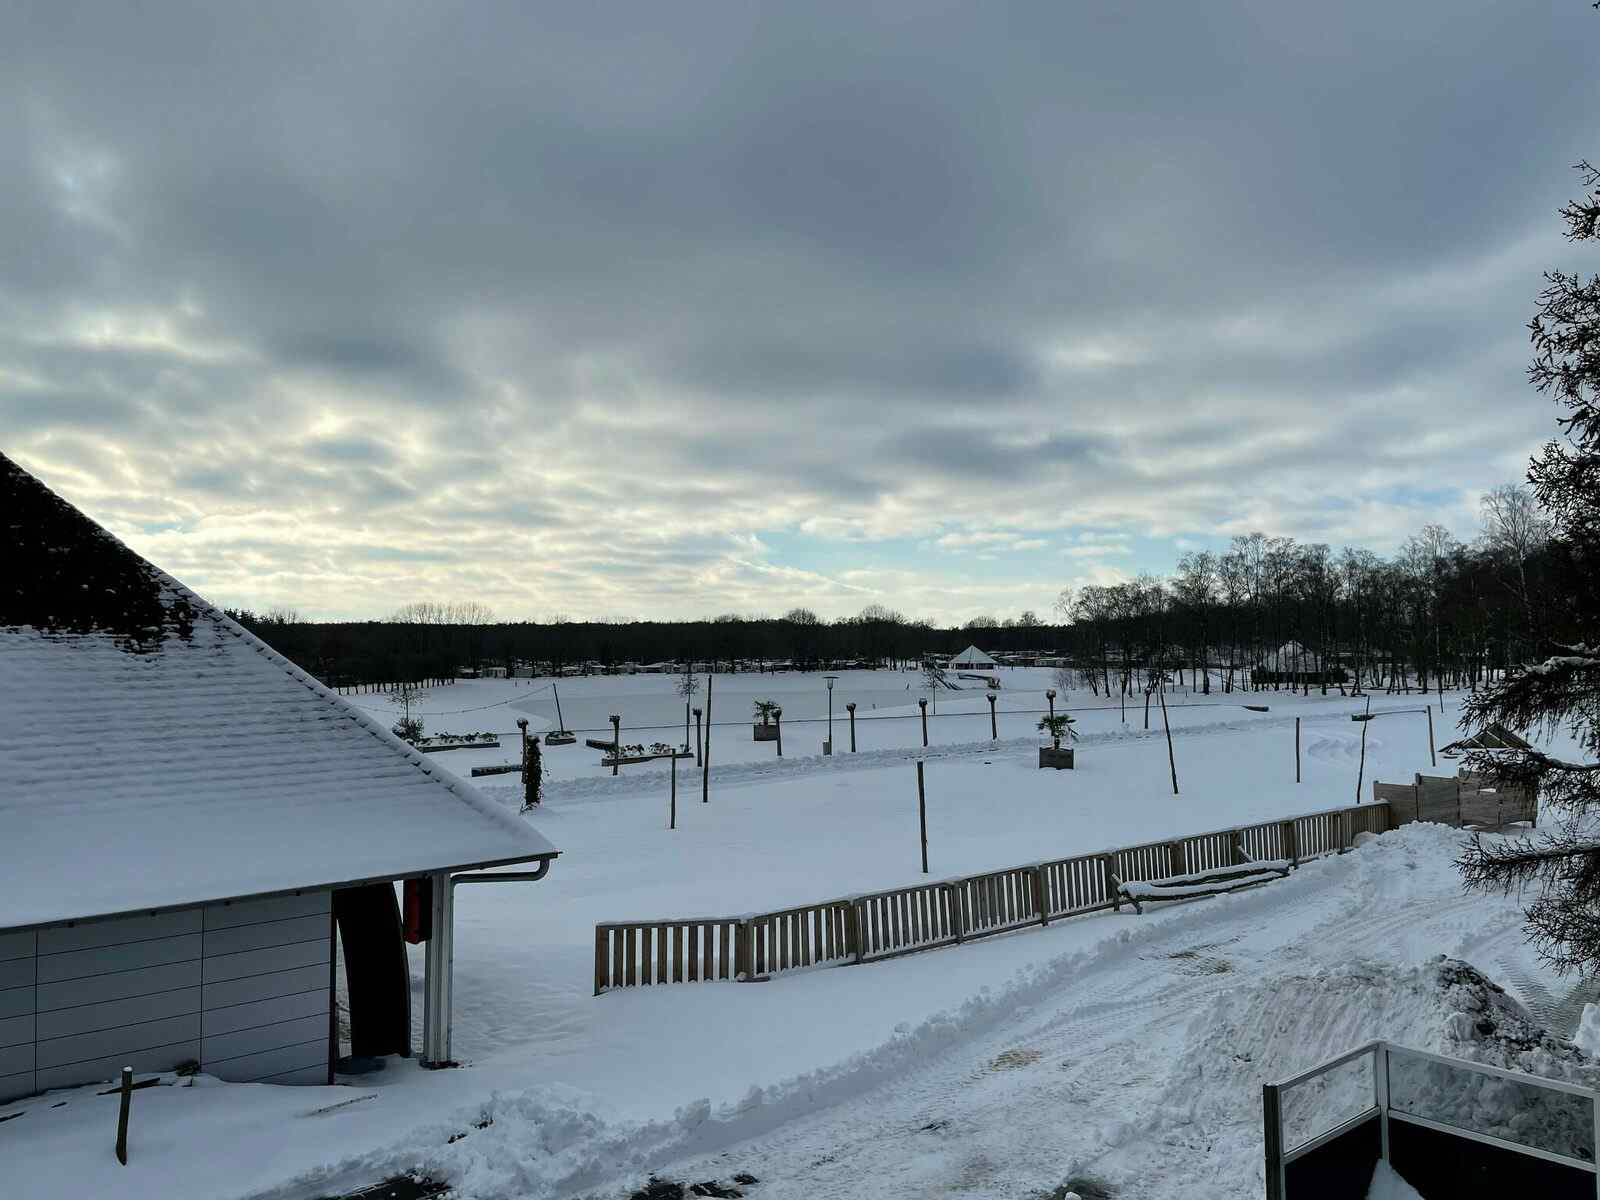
(1387, 1185)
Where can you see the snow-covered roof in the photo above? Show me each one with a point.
(1293, 656)
(153, 753)
(972, 655)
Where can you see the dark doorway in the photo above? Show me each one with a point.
(377, 980)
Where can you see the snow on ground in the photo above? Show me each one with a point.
(1129, 1049)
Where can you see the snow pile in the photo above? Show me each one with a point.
(1587, 1038)
(1487, 1026)
(1386, 1185)
(1277, 1027)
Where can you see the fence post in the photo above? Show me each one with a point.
(1287, 839)
(1236, 847)
(852, 930)
(1177, 861)
(1109, 861)
(1041, 884)
(122, 1115)
(602, 960)
(743, 956)
(1272, 1137)
(958, 915)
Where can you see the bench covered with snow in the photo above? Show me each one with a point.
(1211, 882)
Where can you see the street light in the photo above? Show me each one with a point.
(828, 748)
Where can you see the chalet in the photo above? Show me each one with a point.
(1293, 663)
(196, 836)
(972, 659)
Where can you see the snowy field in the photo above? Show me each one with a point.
(1124, 1048)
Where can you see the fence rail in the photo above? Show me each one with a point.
(925, 916)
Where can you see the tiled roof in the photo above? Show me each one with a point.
(154, 753)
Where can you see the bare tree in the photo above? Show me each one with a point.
(404, 696)
(1514, 530)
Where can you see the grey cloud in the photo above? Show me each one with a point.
(619, 283)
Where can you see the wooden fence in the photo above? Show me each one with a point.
(924, 916)
(1461, 800)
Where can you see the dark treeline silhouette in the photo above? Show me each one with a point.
(1273, 612)
(1266, 613)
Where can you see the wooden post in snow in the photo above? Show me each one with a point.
(1297, 749)
(1171, 760)
(122, 1115)
(922, 816)
(777, 725)
(1433, 759)
(672, 813)
(705, 762)
(697, 737)
(616, 744)
(1361, 770)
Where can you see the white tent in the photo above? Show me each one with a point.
(972, 659)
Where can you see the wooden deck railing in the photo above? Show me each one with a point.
(923, 916)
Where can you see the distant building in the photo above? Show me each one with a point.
(972, 659)
(177, 870)
(1293, 663)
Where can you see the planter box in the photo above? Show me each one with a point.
(500, 769)
(1060, 760)
(765, 733)
(443, 746)
(643, 758)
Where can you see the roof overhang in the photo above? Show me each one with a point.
(332, 884)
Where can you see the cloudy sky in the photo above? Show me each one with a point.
(670, 310)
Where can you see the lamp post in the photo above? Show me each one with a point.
(923, 705)
(828, 746)
(697, 737)
(851, 706)
(616, 743)
(777, 724)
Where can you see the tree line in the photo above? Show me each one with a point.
(1440, 612)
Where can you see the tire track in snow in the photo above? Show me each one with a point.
(1112, 1032)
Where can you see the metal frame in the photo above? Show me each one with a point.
(439, 956)
(1278, 1157)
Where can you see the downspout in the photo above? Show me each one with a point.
(439, 960)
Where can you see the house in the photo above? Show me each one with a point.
(972, 659)
(1292, 663)
(195, 834)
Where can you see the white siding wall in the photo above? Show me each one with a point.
(241, 988)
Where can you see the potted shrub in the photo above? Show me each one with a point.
(1058, 726)
(765, 731)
